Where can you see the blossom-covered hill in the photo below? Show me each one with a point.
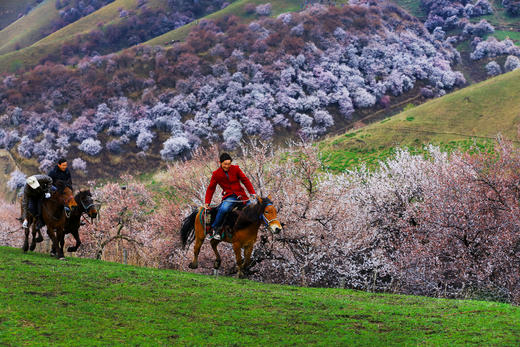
(299, 74)
(62, 31)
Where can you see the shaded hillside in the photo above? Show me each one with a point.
(476, 113)
(11, 10)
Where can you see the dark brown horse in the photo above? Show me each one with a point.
(31, 228)
(55, 212)
(85, 205)
(243, 234)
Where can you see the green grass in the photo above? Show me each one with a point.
(476, 114)
(412, 6)
(502, 35)
(86, 302)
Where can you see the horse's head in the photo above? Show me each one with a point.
(269, 216)
(64, 196)
(86, 203)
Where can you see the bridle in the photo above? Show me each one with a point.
(268, 221)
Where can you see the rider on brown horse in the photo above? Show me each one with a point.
(228, 177)
(60, 172)
(36, 188)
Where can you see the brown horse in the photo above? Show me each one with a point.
(85, 205)
(243, 234)
(55, 212)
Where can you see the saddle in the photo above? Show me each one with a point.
(229, 219)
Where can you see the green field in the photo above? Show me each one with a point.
(86, 302)
(473, 115)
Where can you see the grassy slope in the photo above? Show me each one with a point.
(480, 112)
(85, 302)
(29, 28)
(237, 9)
(31, 55)
(9, 10)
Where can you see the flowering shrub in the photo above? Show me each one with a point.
(90, 146)
(512, 63)
(493, 69)
(79, 164)
(263, 10)
(16, 180)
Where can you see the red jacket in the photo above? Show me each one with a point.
(229, 183)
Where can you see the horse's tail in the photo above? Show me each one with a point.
(188, 227)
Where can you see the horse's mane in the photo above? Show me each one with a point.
(60, 185)
(251, 214)
(82, 194)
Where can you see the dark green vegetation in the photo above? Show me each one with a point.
(470, 117)
(86, 302)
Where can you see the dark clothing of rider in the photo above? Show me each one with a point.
(59, 175)
(34, 195)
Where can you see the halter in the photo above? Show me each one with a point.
(268, 221)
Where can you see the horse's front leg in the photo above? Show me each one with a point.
(237, 247)
(34, 239)
(60, 236)
(52, 236)
(214, 244)
(40, 236)
(248, 250)
(78, 242)
(26, 241)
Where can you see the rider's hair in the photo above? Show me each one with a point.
(61, 161)
(224, 157)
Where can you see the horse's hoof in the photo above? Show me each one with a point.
(61, 258)
(53, 254)
(193, 266)
(71, 249)
(25, 247)
(33, 246)
(216, 265)
(241, 275)
(39, 239)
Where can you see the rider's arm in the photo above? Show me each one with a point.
(46, 184)
(246, 182)
(211, 189)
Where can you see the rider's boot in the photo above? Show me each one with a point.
(216, 233)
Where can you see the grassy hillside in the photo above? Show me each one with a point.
(41, 47)
(9, 10)
(236, 9)
(29, 28)
(87, 302)
(476, 113)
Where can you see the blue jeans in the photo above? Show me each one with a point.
(226, 206)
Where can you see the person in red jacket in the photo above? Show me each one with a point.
(228, 177)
